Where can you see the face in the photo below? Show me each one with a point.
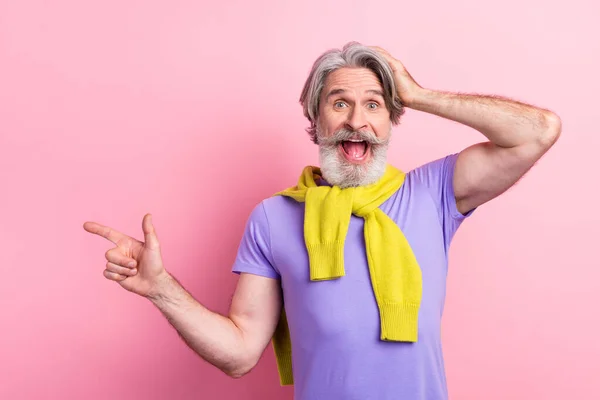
(353, 128)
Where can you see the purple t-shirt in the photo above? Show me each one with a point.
(334, 324)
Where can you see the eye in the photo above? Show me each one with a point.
(339, 104)
(372, 106)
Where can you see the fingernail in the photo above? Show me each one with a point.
(131, 264)
(134, 271)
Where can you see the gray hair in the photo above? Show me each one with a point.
(352, 55)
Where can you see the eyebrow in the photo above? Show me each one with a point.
(340, 91)
(376, 92)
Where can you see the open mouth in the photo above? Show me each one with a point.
(355, 149)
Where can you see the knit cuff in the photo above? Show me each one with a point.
(399, 322)
(326, 260)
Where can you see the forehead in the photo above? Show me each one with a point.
(353, 79)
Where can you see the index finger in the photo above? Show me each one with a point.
(104, 231)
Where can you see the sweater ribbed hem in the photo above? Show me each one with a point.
(282, 345)
(284, 366)
(399, 322)
(326, 260)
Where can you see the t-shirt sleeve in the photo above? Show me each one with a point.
(438, 177)
(254, 252)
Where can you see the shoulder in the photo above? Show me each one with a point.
(434, 171)
(272, 211)
(437, 178)
(278, 204)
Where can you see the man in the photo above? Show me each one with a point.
(346, 271)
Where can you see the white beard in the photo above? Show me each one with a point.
(340, 172)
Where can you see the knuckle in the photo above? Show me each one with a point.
(112, 267)
(114, 256)
(110, 254)
(113, 276)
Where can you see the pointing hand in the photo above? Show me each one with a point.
(136, 266)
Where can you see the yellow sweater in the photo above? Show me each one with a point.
(395, 273)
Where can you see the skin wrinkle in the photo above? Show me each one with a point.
(357, 90)
(355, 57)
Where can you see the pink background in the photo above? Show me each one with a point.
(189, 110)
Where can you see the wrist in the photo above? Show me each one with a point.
(419, 98)
(160, 288)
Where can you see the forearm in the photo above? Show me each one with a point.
(506, 123)
(212, 336)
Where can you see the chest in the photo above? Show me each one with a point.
(348, 303)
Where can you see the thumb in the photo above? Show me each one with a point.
(149, 233)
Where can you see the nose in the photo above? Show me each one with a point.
(356, 119)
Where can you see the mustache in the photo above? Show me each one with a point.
(347, 134)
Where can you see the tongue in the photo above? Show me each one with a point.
(355, 149)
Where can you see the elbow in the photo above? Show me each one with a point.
(552, 131)
(240, 368)
(236, 373)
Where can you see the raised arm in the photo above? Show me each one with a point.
(519, 134)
